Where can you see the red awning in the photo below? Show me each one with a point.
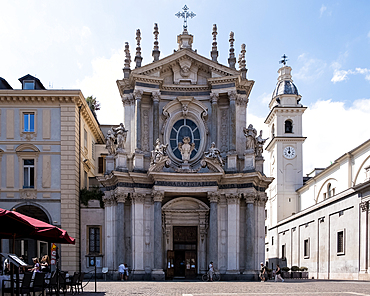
(16, 225)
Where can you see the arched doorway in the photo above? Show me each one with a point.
(186, 224)
(30, 248)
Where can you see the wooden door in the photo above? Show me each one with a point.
(190, 264)
(170, 264)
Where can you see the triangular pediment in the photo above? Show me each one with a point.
(156, 69)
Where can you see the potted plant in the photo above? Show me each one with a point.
(304, 272)
(295, 272)
(285, 272)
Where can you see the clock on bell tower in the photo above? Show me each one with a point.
(285, 148)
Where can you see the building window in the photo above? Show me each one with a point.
(101, 165)
(29, 122)
(273, 130)
(306, 248)
(340, 242)
(94, 240)
(181, 129)
(28, 84)
(288, 127)
(272, 241)
(85, 179)
(28, 173)
(85, 138)
(265, 231)
(283, 252)
(324, 195)
(329, 190)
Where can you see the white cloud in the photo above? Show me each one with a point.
(332, 130)
(310, 69)
(265, 98)
(322, 9)
(368, 34)
(341, 75)
(102, 85)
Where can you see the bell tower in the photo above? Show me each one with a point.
(285, 148)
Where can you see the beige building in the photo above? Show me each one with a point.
(47, 153)
(320, 221)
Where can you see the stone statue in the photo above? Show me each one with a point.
(109, 142)
(186, 148)
(251, 134)
(121, 135)
(260, 142)
(214, 154)
(160, 150)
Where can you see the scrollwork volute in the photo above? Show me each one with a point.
(233, 198)
(156, 96)
(138, 198)
(232, 95)
(214, 97)
(364, 206)
(138, 94)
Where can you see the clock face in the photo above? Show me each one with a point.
(289, 152)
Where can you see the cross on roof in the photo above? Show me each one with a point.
(185, 15)
(284, 60)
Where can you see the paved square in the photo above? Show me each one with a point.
(182, 288)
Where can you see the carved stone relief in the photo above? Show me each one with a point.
(146, 130)
(224, 130)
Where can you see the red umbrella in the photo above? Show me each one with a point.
(15, 225)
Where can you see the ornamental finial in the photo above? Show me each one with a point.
(138, 57)
(156, 51)
(126, 69)
(232, 59)
(185, 15)
(242, 62)
(214, 52)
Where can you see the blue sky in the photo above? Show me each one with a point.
(79, 44)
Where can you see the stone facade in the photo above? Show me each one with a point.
(41, 164)
(179, 194)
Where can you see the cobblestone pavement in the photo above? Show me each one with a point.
(182, 288)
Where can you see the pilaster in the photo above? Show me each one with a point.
(214, 100)
(156, 99)
(233, 210)
(121, 198)
(213, 228)
(157, 272)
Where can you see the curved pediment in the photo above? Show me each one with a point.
(27, 148)
(185, 204)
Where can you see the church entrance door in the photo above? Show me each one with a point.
(185, 248)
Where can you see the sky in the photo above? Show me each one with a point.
(80, 45)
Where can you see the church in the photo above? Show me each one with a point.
(184, 182)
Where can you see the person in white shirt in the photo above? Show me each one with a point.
(122, 271)
(211, 271)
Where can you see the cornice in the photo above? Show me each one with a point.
(284, 139)
(53, 97)
(276, 109)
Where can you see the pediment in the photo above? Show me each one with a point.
(185, 62)
(185, 204)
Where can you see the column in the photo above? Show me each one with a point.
(233, 211)
(120, 227)
(138, 93)
(249, 233)
(213, 228)
(138, 235)
(259, 250)
(232, 98)
(157, 273)
(156, 98)
(214, 99)
(364, 239)
(109, 230)
(127, 101)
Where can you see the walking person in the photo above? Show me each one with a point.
(278, 273)
(263, 272)
(211, 271)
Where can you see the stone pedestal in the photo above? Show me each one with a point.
(259, 164)
(109, 164)
(232, 162)
(121, 161)
(138, 162)
(249, 161)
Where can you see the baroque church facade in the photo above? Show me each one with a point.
(184, 182)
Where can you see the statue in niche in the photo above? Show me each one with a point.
(186, 148)
(260, 142)
(214, 154)
(160, 150)
(109, 142)
(251, 134)
(121, 135)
